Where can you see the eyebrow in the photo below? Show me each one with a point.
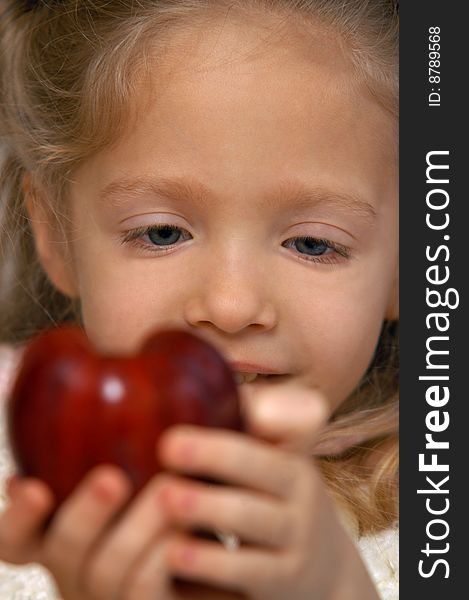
(288, 194)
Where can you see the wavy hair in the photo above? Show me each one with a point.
(67, 71)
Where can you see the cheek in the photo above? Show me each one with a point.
(342, 332)
(352, 343)
(121, 307)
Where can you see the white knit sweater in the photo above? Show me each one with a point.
(379, 552)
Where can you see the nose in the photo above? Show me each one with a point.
(230, 298)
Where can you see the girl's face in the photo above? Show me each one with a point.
(253, 202)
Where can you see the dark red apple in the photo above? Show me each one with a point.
(72, 409)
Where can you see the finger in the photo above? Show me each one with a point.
(31, 501)
(247, 570)
(81, 520)
(10, 483)
(150, 578)
(286, 414)
(231, 457)
(124, 545)
(253, 517)
(190, 590)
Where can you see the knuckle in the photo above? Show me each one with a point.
(311, 485)
(284, 532)
(290, 474)
(305, 482)
(99, 579)
(50, 557)
(239, 511)
(295, 567)
(161, 482)
(150, 578)
(257, 581)
(229, 572)
(146, 584)
(235, 453)
(59, 544)
(8, 536)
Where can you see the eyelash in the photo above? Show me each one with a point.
(133, 237)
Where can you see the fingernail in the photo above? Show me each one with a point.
(107, 484)
(280, 408)
(182, 451)
(268, 410)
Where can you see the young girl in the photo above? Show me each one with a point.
(228, 168)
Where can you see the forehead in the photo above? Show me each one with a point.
(242, 64)
(249, 100)
(233, 38)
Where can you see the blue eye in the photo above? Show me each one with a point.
(155, 237)
(311, 246)
(164, 236)
(317, 250)
(161, 238)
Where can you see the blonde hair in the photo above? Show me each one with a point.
(68, 69)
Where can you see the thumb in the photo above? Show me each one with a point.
(287, 415)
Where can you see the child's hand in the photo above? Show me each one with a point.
(30, 502)
(90, 553)
(294, 547)
(287, 415)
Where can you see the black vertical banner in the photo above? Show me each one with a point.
(434, 240)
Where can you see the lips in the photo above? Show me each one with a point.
(247, 367)
(246, 372)
(244, 377)
(250, 378)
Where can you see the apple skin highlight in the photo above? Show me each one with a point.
(72, 409)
